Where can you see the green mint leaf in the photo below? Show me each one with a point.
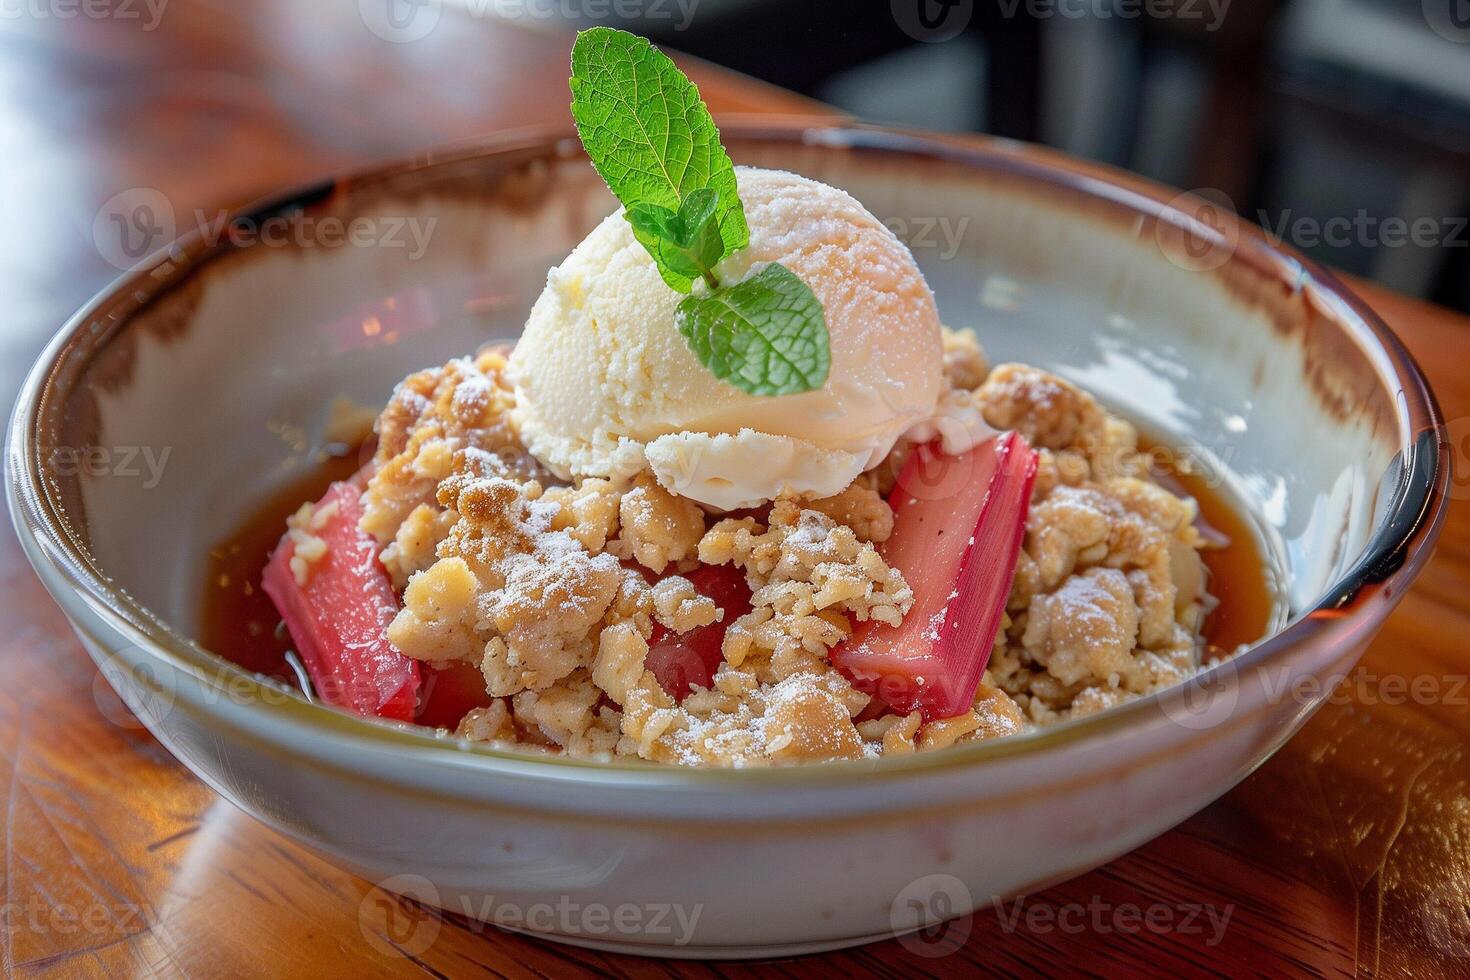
(766, 335)
(659, 230)
(649, 135)
(685, 244)
(655, 221)
(699, 214)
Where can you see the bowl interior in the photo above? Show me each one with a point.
(218, 389)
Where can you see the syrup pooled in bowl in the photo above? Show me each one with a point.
(240, 623)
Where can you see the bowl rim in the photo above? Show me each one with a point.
(1398, 547)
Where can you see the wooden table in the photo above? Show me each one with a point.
(1348, 853)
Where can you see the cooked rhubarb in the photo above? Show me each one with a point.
(449, 693)
(682, 661)
(339, 610)
(957, 531)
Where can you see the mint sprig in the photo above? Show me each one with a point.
(654, 142)
(687, 242)
(649, 134)
(759, 334)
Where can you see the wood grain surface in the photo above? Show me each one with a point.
(1347, 854)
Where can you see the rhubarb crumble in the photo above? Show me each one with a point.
(611, 617)
(736, 498)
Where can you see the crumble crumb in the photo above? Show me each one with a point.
(310, 548)
(658, 528)
(680, 608)
(965, 366)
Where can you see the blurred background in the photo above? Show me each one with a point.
(1341, 126)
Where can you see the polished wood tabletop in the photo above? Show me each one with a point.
(1348, 853)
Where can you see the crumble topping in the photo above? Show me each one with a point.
(310, 548)
(555, 590)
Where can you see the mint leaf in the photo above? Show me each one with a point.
(648, 133)
(686, 243)
(655, 144)
(766, 335)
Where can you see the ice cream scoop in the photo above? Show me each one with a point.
(606, 385)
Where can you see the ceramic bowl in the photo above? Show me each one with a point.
(218, 358)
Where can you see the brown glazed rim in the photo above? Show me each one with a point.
(1397, 549)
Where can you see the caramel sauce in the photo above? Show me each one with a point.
(241, 624)
(239, 621)
(1239, 575)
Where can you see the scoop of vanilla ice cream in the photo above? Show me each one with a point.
(606, 385)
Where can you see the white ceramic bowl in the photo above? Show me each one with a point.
(225, 355)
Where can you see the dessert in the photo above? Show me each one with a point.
(736, 497)
(608, 389)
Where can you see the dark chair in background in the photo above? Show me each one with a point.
(1332, 123)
